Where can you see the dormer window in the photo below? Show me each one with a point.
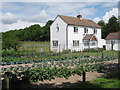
(75, 29)
(85, 30)
(95, 31)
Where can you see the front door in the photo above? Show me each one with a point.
(111, 45)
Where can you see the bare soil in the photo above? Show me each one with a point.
(60, 82)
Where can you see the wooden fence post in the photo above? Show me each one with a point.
(6, 81)
(50, 51)
(102, 55)
(17, 54)
(59, 50)
(32, 53)
(23, 52)
(84, 72)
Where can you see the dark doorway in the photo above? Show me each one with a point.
(112, 45)
(104, 47)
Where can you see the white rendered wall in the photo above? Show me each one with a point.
(116, 45)
(75, 36)
(60, 35)
(108, 44)
(79, 36)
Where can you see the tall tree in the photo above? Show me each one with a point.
(102, 24)
(10, 41)
(112, 26)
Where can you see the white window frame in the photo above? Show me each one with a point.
(55, 43)
(93, 43)
(57, 29)
(85, 30)
(75, 29)
(95, 31)
(86, 43)
(75, 43)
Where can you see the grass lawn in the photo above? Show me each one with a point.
(36, 48)
(47, 49)
(36, 43)
(111, 81)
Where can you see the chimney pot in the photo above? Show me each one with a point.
(79, 16)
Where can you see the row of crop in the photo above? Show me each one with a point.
(45, 73)
(23, 60)
(14, 61)
(50, 70)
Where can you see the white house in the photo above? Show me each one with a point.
(113, 41)
(74, 33)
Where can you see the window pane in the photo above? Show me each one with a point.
(75, 29)
(75, 43)
(85, 30)
(95, 31)
(57, 28)
(55, 43)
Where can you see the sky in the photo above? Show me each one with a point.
(17, 14)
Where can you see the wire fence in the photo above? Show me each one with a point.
(44, 52)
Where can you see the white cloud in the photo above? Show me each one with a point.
(87, 12)
(42, 17)
(110, 4)
(18, 25)
(96, 20)
(9, 18)
(109, 14)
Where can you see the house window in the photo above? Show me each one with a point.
(75, 42)
(95, 31)
(85, 30)
(55, 43)
(93, 43)
(118, 41)
(75, 29)
(57, 28)
(86, 43)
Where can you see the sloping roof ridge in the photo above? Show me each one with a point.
(113, 35)
(93, 36)
(86, 36)
(67, 16)
(77, 21)
(75, 17)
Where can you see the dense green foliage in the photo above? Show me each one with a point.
(10, 41)
(113, 25)
(12, 38)
(33, 33)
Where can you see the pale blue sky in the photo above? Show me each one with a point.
(17, 15)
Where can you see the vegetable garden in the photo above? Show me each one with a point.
(34, 67)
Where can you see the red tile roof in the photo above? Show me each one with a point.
(79, 22)
(89, 37)
(113, 36)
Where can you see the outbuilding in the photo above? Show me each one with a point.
(113, 41)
